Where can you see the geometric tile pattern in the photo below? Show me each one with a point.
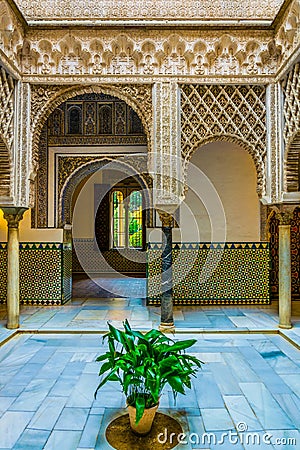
(125, 260)
(41, 273)
(227, 273)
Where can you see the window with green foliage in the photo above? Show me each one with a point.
(127, 215)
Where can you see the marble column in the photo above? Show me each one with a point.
(285, 289)
(13, 217)
(166, 320)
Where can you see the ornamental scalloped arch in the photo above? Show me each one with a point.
(45, 99)
(79, 174)
(291, 168)
(255, 155)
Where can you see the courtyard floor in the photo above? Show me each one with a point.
(250, 383)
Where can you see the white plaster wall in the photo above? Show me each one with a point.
(83, 213)
(231, 171)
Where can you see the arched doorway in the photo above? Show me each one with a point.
(82, 134)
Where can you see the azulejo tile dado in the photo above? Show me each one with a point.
(45, 273)
(213, 273)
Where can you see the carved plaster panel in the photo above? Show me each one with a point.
(46, 98)
(7, 89)
(291, 111)
(35, 10)
(288, 33)
(11, 34)
(218, 112)
(98, 53)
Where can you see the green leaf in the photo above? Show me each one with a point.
(140, 408)
(176, 384)
(105, 367)
(182, 345)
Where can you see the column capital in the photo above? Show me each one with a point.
(284, 218)
(284, 213)
(13, 216)
(166, 218)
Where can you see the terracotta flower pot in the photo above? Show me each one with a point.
(145, 424)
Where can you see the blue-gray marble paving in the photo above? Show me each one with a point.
(47, 381)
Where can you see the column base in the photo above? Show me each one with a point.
(285, 327)
(12, 326)
(167, 327)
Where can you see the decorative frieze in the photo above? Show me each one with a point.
(35, 10)
(95, 53)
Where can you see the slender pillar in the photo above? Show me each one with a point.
(166, 320)
(13, 217)
(285, 290)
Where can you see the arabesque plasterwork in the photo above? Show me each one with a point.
(46, 98)
(7, 89)
(110, 53)
(54, 64)
(287, 35)
(291, 112)
(235, 113)
(11, 35)
(35, 10)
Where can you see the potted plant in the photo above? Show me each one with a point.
(143, 364)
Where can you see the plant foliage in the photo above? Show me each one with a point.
(144, 363)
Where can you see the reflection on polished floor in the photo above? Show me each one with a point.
(250, 382)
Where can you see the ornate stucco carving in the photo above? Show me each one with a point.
(7, 89)
(165, 163)
(84, 54)
(35, 10)
(46, 98)
(11, 33)
(288, 33)
(291, 111)
(218, 112)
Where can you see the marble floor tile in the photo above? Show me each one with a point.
(241, 412)
(12, 425)
(267, 410)
(32, 440)
(215, 419)
(66, 440)
(72, 419)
